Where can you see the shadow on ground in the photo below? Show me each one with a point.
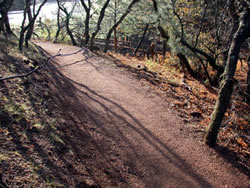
(84, 148)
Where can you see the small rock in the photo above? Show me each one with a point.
(196, 115)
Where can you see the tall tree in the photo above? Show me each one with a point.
(58, 22)
(248, 81)
(139, 43)
(118, 23)
(87, 8)
(200, 30)
(24, 28)
(226, 86)
(5, 5)
(32, 24)
(100, 19)
(194, 48)
(68, 16)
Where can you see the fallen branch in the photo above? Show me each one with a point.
(39, 67)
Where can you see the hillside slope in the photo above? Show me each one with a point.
(81, 121)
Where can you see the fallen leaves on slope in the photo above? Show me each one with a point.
(195, 101)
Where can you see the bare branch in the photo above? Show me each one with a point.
(155, 5)
(41, 66)
(203, 16)
(178, 17)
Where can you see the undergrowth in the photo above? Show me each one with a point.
(23, 114)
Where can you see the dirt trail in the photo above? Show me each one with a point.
(140, 142)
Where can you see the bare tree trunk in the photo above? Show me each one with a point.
(87, 19)
(155, 5)
(31, 28)
(7, 25)
(4, 20)
(2, 28)
(115, 30)
(184, 62)
(22, 32)
(69, 32)
(98, 27)
(67, 21)
(118, 23)
(226, 87)
(58, 22)
(24, 28)
(165, 37)
(139, 44)
(87, 36)
(248, 81)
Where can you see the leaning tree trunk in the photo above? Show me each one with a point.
(31, 28)
(2, 29)
(139, 44)
(98, 26)
(7, 25)
(69, 31)
(248, 81)
(164, 35)
(118, 23)
(5, 5)
(22, 32)
(58, 22)
(24, 28)
(87, 36)
(87, 19)
(184, 62)
(226, 87)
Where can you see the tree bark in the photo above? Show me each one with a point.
(69, 31)
(4, 20)
(115, 30)
(31, 28)
(31, 22)
(248, 81)
(58, 22)
(67, 21)
(165, 37)
(22, 32)
(184, 62)
(118, 23)
(98, 26)
(139, 44)
(155, 5)
(163, 33)
(87, 19)
(210, 59)
(226, 87)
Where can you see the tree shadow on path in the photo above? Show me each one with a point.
(95, 127)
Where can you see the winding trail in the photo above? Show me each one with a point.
(144, 143)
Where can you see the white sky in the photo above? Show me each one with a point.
(48, 11)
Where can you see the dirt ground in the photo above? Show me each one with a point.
(118, 132)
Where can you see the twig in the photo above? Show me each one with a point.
(39, 67)
(3, 88)
(32, 71)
